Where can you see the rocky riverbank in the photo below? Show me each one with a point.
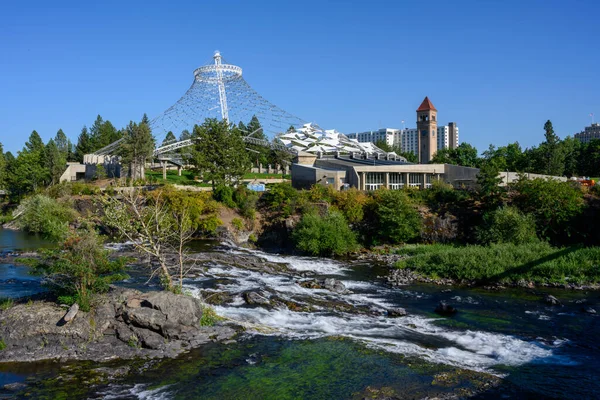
(124, 324)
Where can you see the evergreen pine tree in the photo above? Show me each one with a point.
(84, 145)
(2, 167)
(56, 161)
(136, 148)
(219, 153)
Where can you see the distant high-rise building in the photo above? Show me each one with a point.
(388, 135)
(589, 133)
(446, 136)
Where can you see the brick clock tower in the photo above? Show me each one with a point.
(426, 131)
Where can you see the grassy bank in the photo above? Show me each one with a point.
(505, 263)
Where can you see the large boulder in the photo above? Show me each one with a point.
(334, 285)
(178, 309)
(255, 298)
(588, 310)
(396, 312)
(144, 317)
(124, 323)
(445, 309)
(150, 339)
(552, 301)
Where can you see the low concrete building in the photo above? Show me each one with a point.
(89, 169)
(373, 173)
(512, 177)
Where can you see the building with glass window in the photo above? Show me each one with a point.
(391, 136)
(374, 173)
(590, 133)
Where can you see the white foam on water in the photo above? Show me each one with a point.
(471, 349)
(118, 246)
(410, 335)
(541, 316)
(138, 391)
(322, 266)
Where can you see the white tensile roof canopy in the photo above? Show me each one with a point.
(311, 138)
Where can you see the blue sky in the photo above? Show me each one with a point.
(500, 69)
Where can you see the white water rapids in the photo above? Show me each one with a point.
(412, 335)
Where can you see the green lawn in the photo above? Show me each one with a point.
(505, 263)
(186, 178)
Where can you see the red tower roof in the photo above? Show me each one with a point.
(426, 105)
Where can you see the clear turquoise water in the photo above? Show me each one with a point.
(539, 351)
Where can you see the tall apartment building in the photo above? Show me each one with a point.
(589, 133)
(446, 136)
(388, 135)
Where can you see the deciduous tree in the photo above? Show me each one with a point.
(156, 230)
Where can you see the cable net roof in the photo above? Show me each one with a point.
(204, 99)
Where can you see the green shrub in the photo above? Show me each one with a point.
(318, 193)
(507, 225)
(47, 216)
(245, 201)
(439, 228)
(281, 197)
(63, 189)
(506, 263)
(80, 188)
(440, 193)
(134, 342)
(4, 218)
(224, 194)
(2, 344)
(392, 217)
(6, 303)
(209, 316)
(325, 236)
(199, 207)
(81, 267)
(351, 204)
(238, 224)
(553, 204)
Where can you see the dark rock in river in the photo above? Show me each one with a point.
(330, 284)
(445, 309)
(551, 300)
(334, 285)
(311, 284)
(255, 298)
(396, 312)
(124, 324)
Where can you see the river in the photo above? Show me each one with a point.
(347, 347)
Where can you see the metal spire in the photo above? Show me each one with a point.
(221, 84)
